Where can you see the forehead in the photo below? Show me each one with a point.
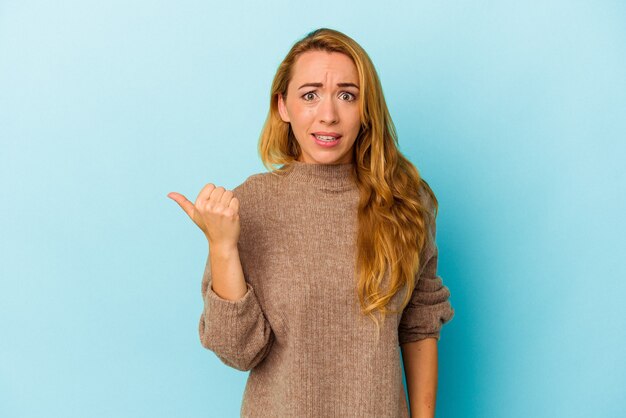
(315, 66)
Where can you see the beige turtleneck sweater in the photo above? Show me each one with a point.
(298, 329)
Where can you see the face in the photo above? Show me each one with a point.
(322, 103)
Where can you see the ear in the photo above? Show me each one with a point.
(282, 109)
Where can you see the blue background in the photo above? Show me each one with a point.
(515, 112)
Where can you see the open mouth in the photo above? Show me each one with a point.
(325, 139)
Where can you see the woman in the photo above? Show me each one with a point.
(297, 286)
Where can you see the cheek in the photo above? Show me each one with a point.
(354, 119)
(302, 115)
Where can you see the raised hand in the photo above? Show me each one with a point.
(215, 212)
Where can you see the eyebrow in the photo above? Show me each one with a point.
(320, 85)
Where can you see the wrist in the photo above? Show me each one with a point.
(223, 248)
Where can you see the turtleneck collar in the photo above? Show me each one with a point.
(323, 176)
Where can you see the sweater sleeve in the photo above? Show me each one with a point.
(429, 307)
(235, 330)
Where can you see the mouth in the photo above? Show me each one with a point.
(326, 137)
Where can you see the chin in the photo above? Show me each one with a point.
(325, 158)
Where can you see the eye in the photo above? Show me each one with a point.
(351, 97)
(305, 95)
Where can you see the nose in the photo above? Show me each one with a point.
(327, 111)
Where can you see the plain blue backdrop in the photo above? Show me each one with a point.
(515, 112)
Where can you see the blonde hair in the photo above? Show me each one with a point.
(392, 211)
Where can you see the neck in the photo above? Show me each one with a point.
(326, 176)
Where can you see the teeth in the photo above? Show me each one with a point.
(325, 138)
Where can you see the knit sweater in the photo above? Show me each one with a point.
(298, 328)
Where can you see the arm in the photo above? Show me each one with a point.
(419, 331)
(227, 277)
(232, 325)
(420, 366)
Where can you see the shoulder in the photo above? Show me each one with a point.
(254, 183)
(431, 206)
(427, 197)
(255, 188)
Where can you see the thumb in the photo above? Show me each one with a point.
(185, 204)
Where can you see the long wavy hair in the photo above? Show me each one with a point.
(395, 202)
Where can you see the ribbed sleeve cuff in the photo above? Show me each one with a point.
(409, 337)
(236, 330)
(225, 308)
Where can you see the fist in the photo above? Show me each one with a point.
(215, 212)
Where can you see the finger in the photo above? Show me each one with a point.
(234, 204)
(216, 195)
(225, 198)
(182, 201)
(205, 193)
